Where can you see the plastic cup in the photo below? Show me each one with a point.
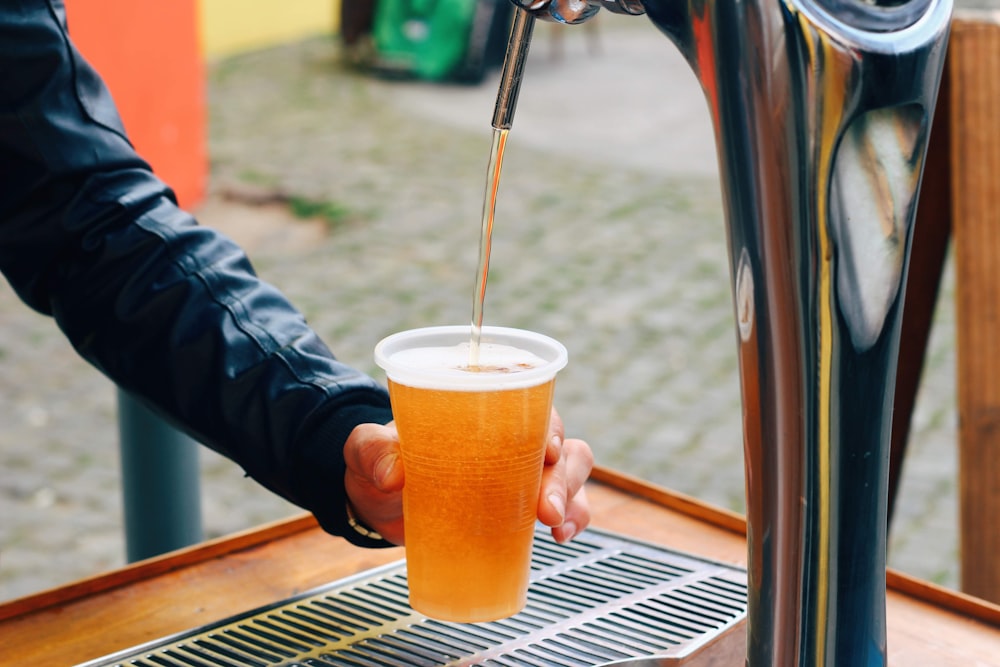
(473, 446)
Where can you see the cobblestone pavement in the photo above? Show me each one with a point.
(609, 236)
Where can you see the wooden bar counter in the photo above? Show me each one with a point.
(193, 587)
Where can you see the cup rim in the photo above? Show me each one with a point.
(549, 349)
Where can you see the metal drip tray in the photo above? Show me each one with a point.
(599, 599)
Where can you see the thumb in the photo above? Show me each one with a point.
(374, 479)
(372, 457)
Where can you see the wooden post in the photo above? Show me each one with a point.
(974, 70)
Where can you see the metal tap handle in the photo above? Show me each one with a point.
(822, 110)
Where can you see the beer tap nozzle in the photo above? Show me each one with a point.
(513, 69)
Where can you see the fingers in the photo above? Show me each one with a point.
(577, 518)
(374, 479)
(372, 457)
(563, 503)
(553, 447)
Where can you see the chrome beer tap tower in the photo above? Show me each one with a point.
(822, 111)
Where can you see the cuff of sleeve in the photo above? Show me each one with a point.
(319, 482)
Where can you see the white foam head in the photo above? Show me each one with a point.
(438, 357)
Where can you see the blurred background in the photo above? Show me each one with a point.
(353, 175)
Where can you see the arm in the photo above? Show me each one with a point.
(170, 311)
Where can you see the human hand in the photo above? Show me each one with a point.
(374, 481)
(562, 503)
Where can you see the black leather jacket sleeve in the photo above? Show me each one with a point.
(170, 311)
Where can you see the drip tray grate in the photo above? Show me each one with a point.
(600, 599)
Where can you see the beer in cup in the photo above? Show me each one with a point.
(472, 440)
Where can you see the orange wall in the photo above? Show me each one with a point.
(148, 53)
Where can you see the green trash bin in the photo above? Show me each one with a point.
(440, 39)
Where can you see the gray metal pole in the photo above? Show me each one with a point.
(160, 483)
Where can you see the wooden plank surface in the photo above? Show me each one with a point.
(176, 592)
(974, 101)
(197, 586)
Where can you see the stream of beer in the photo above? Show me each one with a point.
(485, 242)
